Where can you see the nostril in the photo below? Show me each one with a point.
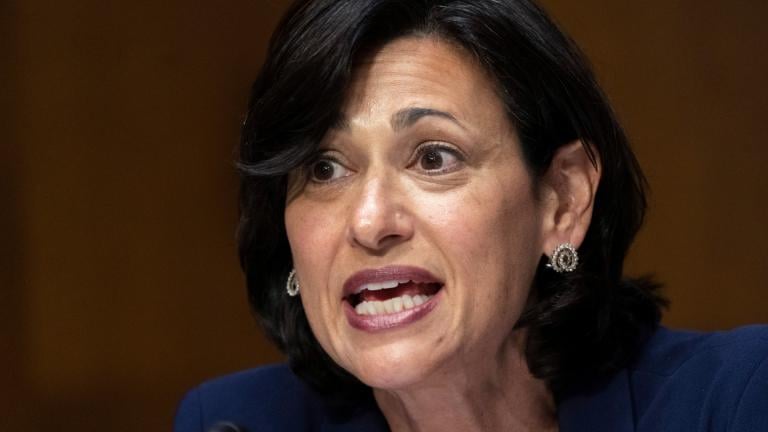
(380, 244)
(390, 238)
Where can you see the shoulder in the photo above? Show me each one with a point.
(257, 395)
(719, 379)
(669, 350)
(269, 398)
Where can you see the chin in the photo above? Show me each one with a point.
(395, 366)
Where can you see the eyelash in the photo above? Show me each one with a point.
(432, 146)
(322, 158)
(420, 152)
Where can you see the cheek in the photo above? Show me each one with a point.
(307, 240)
(310, 238)
(501, 223)
(491, 240)
(313, 241)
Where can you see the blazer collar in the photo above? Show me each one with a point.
(360, 415)
(595, 407)
(605, 406)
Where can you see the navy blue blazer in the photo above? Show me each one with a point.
(682, 381)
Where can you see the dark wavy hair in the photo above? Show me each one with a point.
(580, 325)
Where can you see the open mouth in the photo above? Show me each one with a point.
(388, 297)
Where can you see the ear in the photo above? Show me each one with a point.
(567, 194)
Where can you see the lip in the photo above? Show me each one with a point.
(374, 323)
(415, 274)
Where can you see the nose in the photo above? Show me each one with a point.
(379, 218)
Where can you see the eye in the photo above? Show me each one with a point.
(326, 170)
(438, 159)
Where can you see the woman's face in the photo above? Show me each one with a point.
(417, 235)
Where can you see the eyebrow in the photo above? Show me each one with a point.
(404, 118)
(409, 116)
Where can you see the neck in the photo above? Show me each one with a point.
(495, 393)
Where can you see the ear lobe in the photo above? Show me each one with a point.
(568, 191)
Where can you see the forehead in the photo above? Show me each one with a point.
(421, 71)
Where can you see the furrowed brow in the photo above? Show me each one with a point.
(409, 116)
(402, 119)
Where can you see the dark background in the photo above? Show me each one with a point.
(119, 284)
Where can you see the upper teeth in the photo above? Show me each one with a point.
(375, 286)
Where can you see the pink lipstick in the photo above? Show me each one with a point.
(388, 297)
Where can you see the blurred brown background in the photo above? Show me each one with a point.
(119, 285)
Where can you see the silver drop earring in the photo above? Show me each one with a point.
(564, 259)
(292, 286)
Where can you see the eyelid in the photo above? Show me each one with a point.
(441, 145)
(324, 155)
(327, 156)
(437, 145)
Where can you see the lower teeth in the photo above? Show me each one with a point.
(393, 305)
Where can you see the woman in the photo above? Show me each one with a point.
(436, 205)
